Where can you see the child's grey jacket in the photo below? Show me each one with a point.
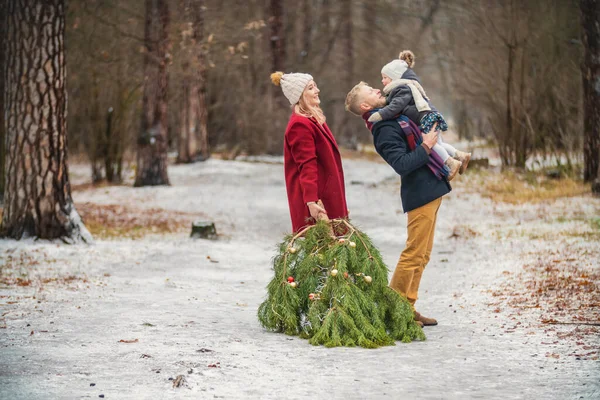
(401, 101)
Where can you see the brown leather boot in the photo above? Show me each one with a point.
(424, 320)
(419, 323)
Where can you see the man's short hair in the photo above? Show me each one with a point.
(353, 99)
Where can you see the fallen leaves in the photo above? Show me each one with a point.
(560, 289)
(33, 268)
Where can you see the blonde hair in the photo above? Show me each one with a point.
(309, 111)
(353, 99)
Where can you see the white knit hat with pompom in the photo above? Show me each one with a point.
(292, 84)
(396, 68)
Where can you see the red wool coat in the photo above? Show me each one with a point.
(313, 170)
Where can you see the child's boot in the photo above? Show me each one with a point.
(454, 166)
(464, 158)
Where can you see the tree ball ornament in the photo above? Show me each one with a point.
(293, 284)
(368, 279)
(311, 296)
(352, 244)
(292, 250)
(334, 272)
(290, 279)
(346, 275)
(342, 241)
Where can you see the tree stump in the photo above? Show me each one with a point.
(204, 230)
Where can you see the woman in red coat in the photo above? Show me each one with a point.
(313, 166)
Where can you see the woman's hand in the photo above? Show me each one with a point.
(317, 211)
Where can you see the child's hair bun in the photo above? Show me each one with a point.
(408, 57)
(276, 78)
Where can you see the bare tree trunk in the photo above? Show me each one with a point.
(277, 35)
(509, 117)
(38, 195)
(325, 20)
(3, 21)
(198, 94)
(109, 157)
(590, 9)
(348, 137)
(426, 22)
(276, 100)
(97, 148)
(348, 43)
(370, 14)
(152, 144)
(307, 24)
(187, 140)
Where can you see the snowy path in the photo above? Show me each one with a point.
(188, 312)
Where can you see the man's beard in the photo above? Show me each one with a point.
(380, 103)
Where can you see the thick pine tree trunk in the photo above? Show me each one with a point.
(152, 143)
(193, 138)
(38, 195)
(590, 9)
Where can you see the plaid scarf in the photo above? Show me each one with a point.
(414, 138)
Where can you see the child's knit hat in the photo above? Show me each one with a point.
(292, 84)
(395, 69)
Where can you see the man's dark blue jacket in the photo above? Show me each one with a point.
(419, 185)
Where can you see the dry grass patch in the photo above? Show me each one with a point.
(529, 187)
(114, 220)
(118, 221)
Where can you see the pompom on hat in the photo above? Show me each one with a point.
(292, 84)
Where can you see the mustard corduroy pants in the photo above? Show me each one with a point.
(416, 254)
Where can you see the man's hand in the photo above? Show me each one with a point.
(430, 139)
(376, 117)
(317, 211)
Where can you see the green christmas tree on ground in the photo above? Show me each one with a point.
(333, 291)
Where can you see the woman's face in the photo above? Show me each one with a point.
(385, 79)
(311, 94)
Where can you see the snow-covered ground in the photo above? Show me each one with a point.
(123, 317)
